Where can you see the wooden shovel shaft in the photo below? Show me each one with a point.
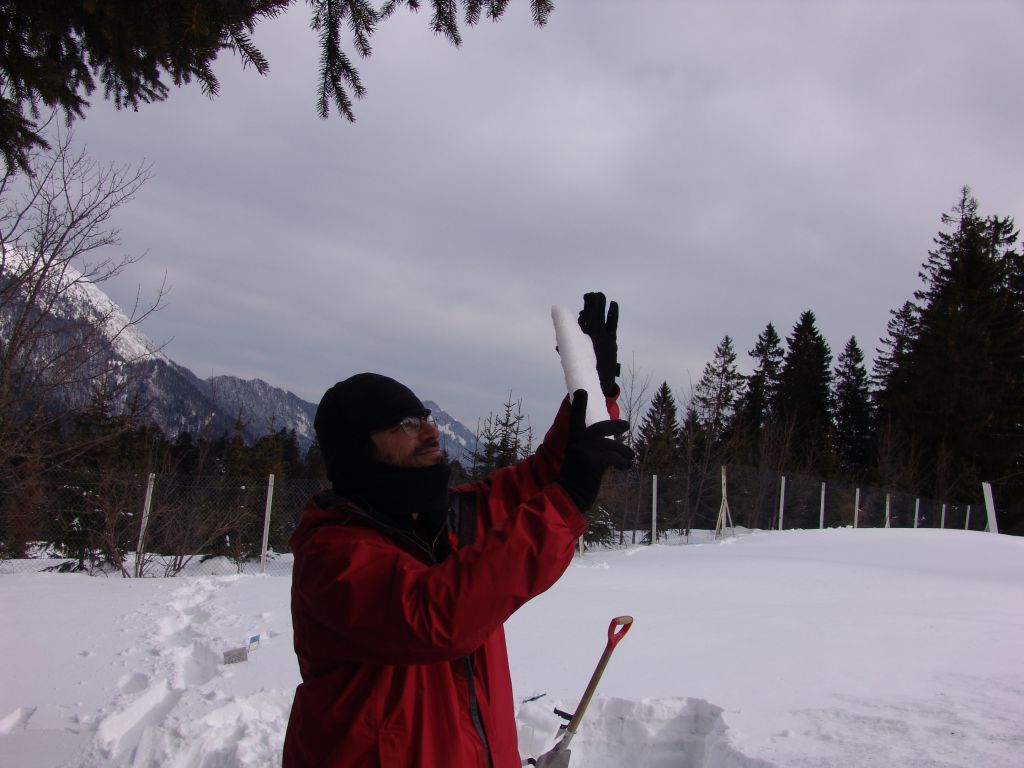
(622, 624)
(558, 756)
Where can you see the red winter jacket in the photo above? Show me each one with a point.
(385, 637)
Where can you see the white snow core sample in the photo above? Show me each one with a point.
(578, 362)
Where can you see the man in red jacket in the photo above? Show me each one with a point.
(401, 585)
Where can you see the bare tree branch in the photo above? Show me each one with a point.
(62, 349)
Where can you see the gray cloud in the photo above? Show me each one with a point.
(712, 165)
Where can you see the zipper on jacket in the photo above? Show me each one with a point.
(474, 710)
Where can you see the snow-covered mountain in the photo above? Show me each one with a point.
(263, 408)
(71, 298)
(176, 399)
(456, 440)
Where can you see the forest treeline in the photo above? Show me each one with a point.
(940, 411)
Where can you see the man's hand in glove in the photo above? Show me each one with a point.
(589, 453)
(602, 333)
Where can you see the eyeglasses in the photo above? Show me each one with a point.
(411, 426)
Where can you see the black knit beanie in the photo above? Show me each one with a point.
(414, 499)
(351, 411)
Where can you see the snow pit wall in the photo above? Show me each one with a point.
(650, 733)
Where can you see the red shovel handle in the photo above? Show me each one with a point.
(618, 628)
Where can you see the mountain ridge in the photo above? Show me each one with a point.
(171, 396)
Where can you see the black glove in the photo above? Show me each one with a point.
(602, 334)
(589, 453)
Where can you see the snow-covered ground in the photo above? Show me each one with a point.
(845, 648)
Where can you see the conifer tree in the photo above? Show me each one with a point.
(502, 440)
(757, 402)
(715, 396)
(852, 408)
(658, 436)
(961, 388)
(694, 447)
(1003, 238)
(891, 364)
(805, 391)
(55, 55)
(657, 448)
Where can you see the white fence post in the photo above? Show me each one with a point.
(266, 524)
(145, 522)
(782, 500)
(856, 507)
(917, 510)
(654, 508)
(990, 508)
(888, 497)
(967, 520)
(821, 519)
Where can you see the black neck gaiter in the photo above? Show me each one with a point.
(410, 499)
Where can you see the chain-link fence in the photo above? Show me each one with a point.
(634, 504)
(139, 525)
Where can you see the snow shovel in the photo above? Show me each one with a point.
(558, 756)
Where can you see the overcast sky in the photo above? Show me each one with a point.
(713, 166)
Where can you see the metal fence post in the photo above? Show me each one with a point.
(942, 522)
(821, 519)
(782, 500)
(888, 498)
(856, 507)
(990, 508)
(917, 510)
(266, 524)
(145, 522)
(654, 508)
(967, 520)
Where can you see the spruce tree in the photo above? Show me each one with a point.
(757, 402)
(657, 450)
(805, 392)
(716, 394)
(852, 436)
(889, 373)
(55, 55)
(706, 438)
(962, 386)
(658, 436)
(502, 440)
